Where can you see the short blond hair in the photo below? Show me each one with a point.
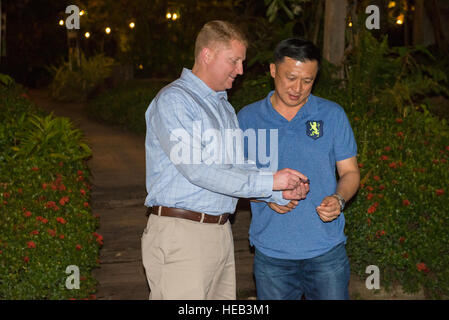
(218, 32)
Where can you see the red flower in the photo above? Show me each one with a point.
(387, 148)
(34, 232)
(369, 196)
(51, 232)
(360, 165)
(380, 233)
(26, 259)
(27, 214)
(63, 200)
(79, 172)
(50, 204)
(372, 209)
(383, 157)
(447, 148)
(61, 220)
(35, 168)
(422, 267)
(439, 192)
(400, 134)
(392, 165)
(83, 192)
(435, 161)
(31, 245)
(44, 221)
(44, 186)
(61, 236)
(78, 247)
(405, 202)
(377, 178)
(381, 187)
(398, 120)
(86, 204)
(401, 239)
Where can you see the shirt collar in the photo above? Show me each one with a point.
(199, 86)
(309, 108)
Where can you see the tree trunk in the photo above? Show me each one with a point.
(418, 19)
(334, 31)
(436, 23)
(317, 21)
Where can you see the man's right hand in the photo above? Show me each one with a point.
(287, 179)
(299, 193)
(283, 209)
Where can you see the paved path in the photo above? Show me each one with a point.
(118, 168)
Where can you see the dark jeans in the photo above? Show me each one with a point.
(325, 277)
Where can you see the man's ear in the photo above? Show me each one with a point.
(206, 55)
(273, 70)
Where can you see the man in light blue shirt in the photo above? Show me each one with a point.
(195, 174)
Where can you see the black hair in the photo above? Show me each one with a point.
(297, 49)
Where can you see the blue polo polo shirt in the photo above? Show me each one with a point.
(312, 142)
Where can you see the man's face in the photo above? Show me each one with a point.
(293, 81)
(226, 62)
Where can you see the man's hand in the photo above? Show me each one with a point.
(283, 209)
(329, 209)
(299, 193)
(287, 179)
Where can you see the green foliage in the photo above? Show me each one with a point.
(73, 82)
(6, 80)
(126, 105)
(251, 91)
(398, 219)
(46, 222)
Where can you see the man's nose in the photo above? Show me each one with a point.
(297, 86)
(239, 68)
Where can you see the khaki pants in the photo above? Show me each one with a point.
(188, 260)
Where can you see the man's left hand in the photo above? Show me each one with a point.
(329, 209)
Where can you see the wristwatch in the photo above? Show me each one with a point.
(341, 200)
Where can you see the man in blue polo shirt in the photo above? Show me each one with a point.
(300, 246)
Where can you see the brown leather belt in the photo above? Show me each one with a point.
(190, 215)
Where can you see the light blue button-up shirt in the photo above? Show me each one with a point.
(181, 170)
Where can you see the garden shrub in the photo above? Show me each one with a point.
(46, 222)
(73, 82)
(125, 105)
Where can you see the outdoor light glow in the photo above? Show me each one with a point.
(87, 34)
(168, 15)
(350, 24)
(107, 30)
(132, 25)
(61, 22)
(391, 4)
(400, 19)
(140, 66)
(175, 16)
(82, 12)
